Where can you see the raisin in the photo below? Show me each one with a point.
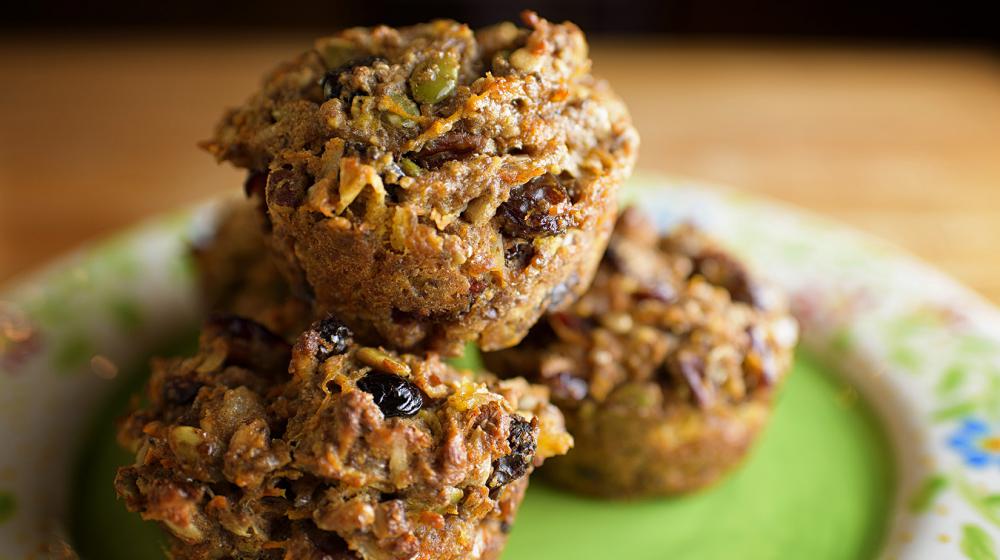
(536, 208)
(518, 255)
(453, 145)
(334, 337)
(394, 395)
(250, 344)
(522, 451)
(331, 81)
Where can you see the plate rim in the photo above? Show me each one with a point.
(946, 497)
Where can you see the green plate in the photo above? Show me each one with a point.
(915, 477)
(818, 486)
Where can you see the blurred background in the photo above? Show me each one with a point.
(883, 115)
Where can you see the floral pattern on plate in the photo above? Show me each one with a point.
(921, 348)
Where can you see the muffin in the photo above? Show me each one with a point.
(665, 369)
(255, 449)
(432, 185)
(237, 276)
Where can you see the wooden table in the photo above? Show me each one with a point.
(95, 135)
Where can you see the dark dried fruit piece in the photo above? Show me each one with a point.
(250, 344)
(334, 337)
(721, 269)
(539, 207)
(453, 145)
(522, 452)
(394, 395)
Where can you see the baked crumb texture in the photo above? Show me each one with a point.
(350, 452)
(665, 368)
(237, 276)
(432, 185)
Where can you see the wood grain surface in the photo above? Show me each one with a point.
(905, 143)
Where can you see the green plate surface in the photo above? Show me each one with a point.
(819, 485)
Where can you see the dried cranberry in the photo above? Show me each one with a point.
(250, 344)
(539, 207)
(515, 465)
(394, 395)
(334, 337)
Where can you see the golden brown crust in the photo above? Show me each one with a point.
(350, 452)
(423, 221)
(665, 368)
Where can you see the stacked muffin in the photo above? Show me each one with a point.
(665, 369)
(412, 191)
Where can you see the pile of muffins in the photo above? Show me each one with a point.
(412, 193)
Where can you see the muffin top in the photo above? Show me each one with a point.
(436, 123)
(672, 319)
(349, 448)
